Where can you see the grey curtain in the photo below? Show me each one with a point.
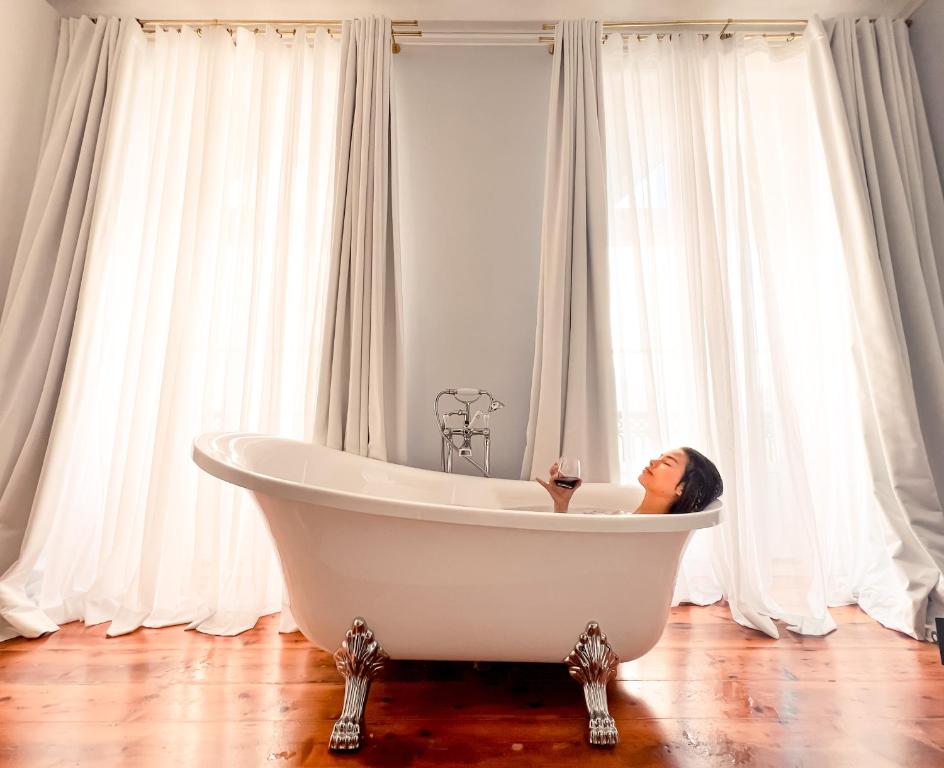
(892, 145)
(888, 196)
(892, 142)
(361, 397)
(39, 312)
(573, 398)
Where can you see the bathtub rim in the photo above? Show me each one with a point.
(209, 455)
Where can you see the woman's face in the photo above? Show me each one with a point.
(661, 476)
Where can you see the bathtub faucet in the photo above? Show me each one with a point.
(469, 427)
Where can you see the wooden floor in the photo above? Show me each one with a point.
(710, 694)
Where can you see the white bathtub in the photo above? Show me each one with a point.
(440, 568)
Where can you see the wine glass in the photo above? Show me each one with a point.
(568, 472)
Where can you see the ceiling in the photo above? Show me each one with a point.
(485, 10)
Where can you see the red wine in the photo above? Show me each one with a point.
(565, 481)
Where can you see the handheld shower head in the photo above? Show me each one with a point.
(496, 404)
(466, 394)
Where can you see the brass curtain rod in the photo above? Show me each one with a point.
(278, 25)
(258, 22)
(625, 27)
(703, 23)
(414, 23)
(618, 27)
(621, 27)
(334, 24)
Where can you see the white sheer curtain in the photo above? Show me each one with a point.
(199, 311)
(573, 403)
(733, 324)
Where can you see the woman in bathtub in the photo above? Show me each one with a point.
(680, 480)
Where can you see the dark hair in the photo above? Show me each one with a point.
(701, 484)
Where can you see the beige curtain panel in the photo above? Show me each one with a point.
(361, 395)
(573, 399)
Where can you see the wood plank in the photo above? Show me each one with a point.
(710, 694)
(494, 697)
(675, 742)
(300, 665)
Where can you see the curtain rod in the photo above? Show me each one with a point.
(618, 27)
(250, 22)
(280, 26)
(150, 25)
(705, 23)
(414, 23)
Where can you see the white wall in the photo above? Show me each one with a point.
(27, 57)
(472, 125)
(927, 42)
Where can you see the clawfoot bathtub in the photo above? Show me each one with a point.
(444, 566)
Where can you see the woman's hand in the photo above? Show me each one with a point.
(561, 496)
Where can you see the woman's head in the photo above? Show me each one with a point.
(686, 479)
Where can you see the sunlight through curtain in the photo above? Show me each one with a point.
(199, 311)
(733, 323)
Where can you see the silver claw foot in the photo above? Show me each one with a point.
(359, 659)
(592, 663)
